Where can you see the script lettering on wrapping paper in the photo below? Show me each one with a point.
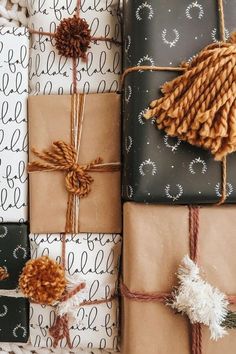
(15, 173)
(15, 31)
(7, 87)
(53, 67)
(12, 200)
(101, 264)
(86, 319)
(92, 240)
(13, 113)
(98, 6)
(15, 62)
(17, 142)
(37, 7)
(68, 7)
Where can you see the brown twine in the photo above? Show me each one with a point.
(63, 157)
(196, 329)
(225, 67)
(60, 328)
(75, 57)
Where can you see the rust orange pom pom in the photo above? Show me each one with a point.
(73, 37)
(3, 274)
(43, 280)
(200, 106)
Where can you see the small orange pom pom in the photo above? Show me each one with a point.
(43, 280)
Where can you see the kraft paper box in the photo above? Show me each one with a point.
(159, 169)
(93, 259)
(51, 73)
(49, 121)
(14, 252)
(14, 58)
(156, 238)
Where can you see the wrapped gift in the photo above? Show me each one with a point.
(158, 168)
(13, 124)
(14, 250)
(150, 265)
(94, 260)
(14, 320)
(93, 199)
(51, 73)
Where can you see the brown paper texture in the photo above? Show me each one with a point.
(50, 120)
(155, 241)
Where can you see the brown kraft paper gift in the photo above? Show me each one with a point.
(156, 238)
(50, 121)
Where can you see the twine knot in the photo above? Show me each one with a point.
(3, 273)
(73, 37)
(62, 157)
(200, 106)
(60, 330)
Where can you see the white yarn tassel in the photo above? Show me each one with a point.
(70, 306)
(200, 301)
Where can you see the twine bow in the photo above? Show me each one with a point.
(62, 157)
(60, 328)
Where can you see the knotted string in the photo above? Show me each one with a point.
(183, 69)
(75, 58)
(64, 157)
(60, 328)
(196, 329)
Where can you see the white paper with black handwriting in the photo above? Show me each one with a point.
(93, 259)
(51, 73)
(14, 56)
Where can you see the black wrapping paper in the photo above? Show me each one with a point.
(14, 319)
(158, 168)
(14, 252)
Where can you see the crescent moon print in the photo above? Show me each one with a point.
(146, 59)
(144, 6)
(4, 312)
(170, 43)
(19, 250)
(174, 197)
(148, 163)
(4, 233)
(140, 117)
(129, 191)
(194, 4)
(197, 161)
(214, 32)
(168, 145)
(229, 189)
(128, 93)
(17, 329)
(128, 143)
(127, 43)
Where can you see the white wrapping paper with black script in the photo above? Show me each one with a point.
(51, 73)
(93, 259)
(14, 55)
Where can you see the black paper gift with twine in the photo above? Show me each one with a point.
(159, 166)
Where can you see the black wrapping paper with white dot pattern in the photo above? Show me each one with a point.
(14, 252)
(158, 168)
(14, 319)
